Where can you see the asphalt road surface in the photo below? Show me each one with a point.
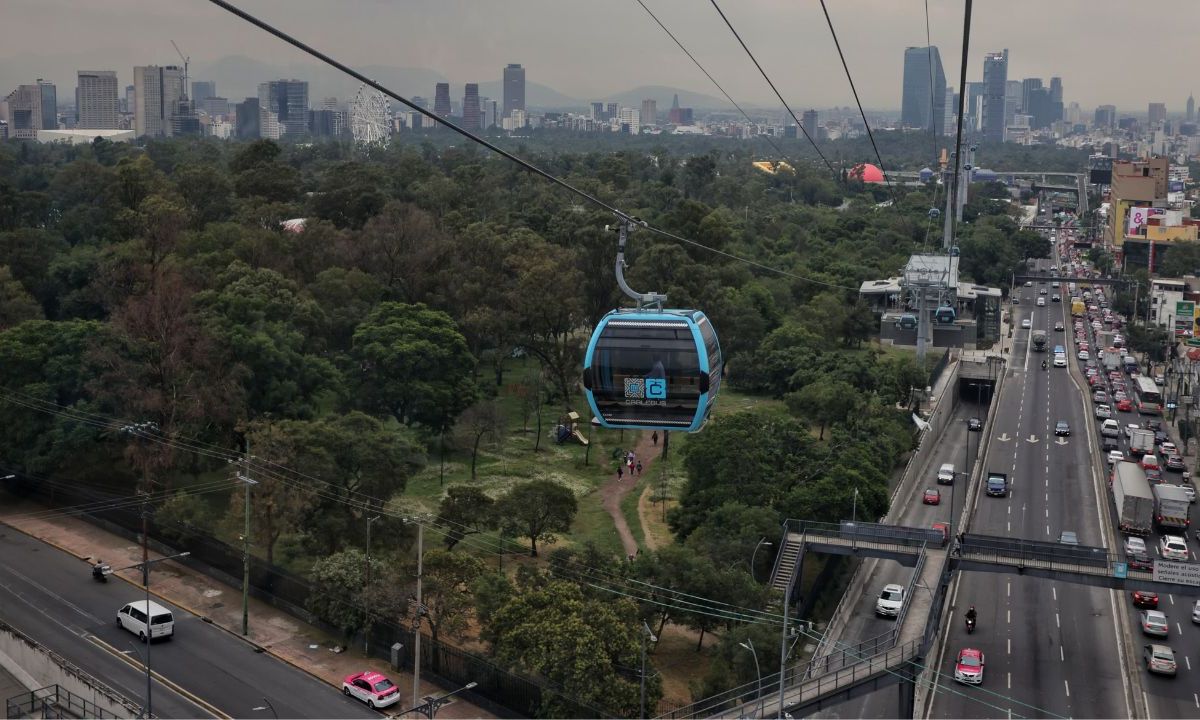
(50, 596)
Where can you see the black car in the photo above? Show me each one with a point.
(1160, 437)
(1109, 443)
(1153, 425)
(1138, 561)
(974, 424)
(1062, 428)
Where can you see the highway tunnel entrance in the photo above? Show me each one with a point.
(978, 375)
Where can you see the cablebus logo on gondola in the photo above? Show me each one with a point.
(643, 389)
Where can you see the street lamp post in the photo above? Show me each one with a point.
(250, 483)
(749, 645)
(367, 591)
(646, 634)
(148, 712)
(753, 570)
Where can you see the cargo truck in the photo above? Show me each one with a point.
(1141, 442)
(1039, 341)
(1112, 360)
(1076, 307)
(1132, 498)
(997, 484)
(1171, 507)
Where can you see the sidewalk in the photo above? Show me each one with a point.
(279, 634)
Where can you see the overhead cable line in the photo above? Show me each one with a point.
(962, 94)
(712, 79)
(773, 88)
(870, 135)
(508, 155)
(933, 134)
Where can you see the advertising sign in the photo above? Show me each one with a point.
(1181, 573)
(1185, 318)
(1175, 186)
(1139, 217)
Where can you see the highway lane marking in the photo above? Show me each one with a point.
(1062, 657)
(136, 663)
(1067, 685)
(1008, 587)
(52, 594)
(1009, 681)
(1179, 628)
(1047, 529)
(1008, 616)
(43, 611)
(1010, 646)
(1057, 624)
(1171, 597)
(1054, 592)
(1145, 703)
(1185, 657)
(1197, 699)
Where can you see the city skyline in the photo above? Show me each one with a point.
(568, 48)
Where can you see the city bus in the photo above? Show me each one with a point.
(1149, 397)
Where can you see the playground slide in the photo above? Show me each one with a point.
(579, 437)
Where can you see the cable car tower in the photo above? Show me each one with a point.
(370, 117)
(651, 367)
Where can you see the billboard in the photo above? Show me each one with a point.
(1139, 217)
(1175, 186)
(1185, 319)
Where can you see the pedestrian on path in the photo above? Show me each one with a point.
(639, 468)
(654, 438)
(620, 472)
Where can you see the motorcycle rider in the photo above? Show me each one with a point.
(1043, 364)
(971, 615)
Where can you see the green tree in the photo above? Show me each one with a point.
(732, 664)
(825, 402)
(184, 516)
(483, 420)
(731, 534)
(466, 510)
(448, 579)
(350, 194)
(338, 582)
(537, 509)
(549, 628)
(16, 304)
(278, 504)
(413, 364)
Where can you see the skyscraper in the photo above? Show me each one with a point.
(1106, 116)
(49, 105)
(808, 121)
(973, 106)
(24, 112)
(995, 81)
(597, 111)
(203, 90)
(283, 109)
(441, 100)
(1056, 100)
(471, 107)
(514, 88)
(1157, 113)
(630, 120)
(96, 99)
(611, 111)
(1191, 108)
(1012, 100)
(248, 119)
(649, 112)
(1028, 86)
(130, 99)
(917, 108)
(157, 92)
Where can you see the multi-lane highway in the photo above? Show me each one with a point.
(1051, 648)
(51, 597)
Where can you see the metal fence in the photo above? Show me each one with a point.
(53, 702)
(499, 691)
(936, 371)
(1056, 554)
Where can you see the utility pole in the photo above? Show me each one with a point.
(783, 647)
(646, 634)
(367, 591)
(246, 543)
(417, 620)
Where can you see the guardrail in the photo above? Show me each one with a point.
(910, 590)
(53, 701)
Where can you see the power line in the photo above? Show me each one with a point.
(714, 80)
(775, 90)
(870, 135)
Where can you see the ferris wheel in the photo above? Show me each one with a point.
(370, 117)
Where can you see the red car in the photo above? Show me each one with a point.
(1145, 599)
(933, 496)
(944, 529)
(372, 688)
(968, 667)
(1124, 405)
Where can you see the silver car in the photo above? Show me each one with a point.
(1196, 612)
(1154, 623)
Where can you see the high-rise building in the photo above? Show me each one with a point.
(1106, 116)
(649, 112)
(1191, 109)
(948, 118)
(130, 99)
(630, 120)
(1012, 100)
(611, 110)
(808, 121)
(973, 105)
(203, 90)
(1157, 113)
(1028, 87)
(470, 114)
(49, 105)
(24, 112)
(96, 102)
(441, 100)
(1056, 89)
(158, 91)
(923, 102)
(324, 122)
(597, 111)
(514, 88)
(995, 81)
(248, 119)
(283, 109)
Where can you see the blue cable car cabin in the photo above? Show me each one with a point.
(653, 369)
(945, 315)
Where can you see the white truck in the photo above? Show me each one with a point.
(1171, 507)
(1141, 442)
(1132, 498)
(1111, 360)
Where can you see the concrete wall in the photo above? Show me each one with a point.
(37, 666)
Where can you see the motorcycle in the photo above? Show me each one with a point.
(101, 571)
(970, 625)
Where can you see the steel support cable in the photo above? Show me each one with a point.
(775, 90)
(933, 135)
(861, 112)
(691, 57)
(496, 149)
(962, 94)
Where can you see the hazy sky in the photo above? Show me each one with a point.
(591, 48)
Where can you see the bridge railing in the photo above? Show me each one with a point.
(896, 536)
(1057, 555)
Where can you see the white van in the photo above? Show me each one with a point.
(1110, 428)
(133, 618)
(945, 474)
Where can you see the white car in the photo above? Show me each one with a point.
(1196, 612)
(1025, 324)
(1060, 360)
(890, 601)
(1083, 355)
(1135, 546)
(1115, 456)
(1172, 547)
(1041, 302)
